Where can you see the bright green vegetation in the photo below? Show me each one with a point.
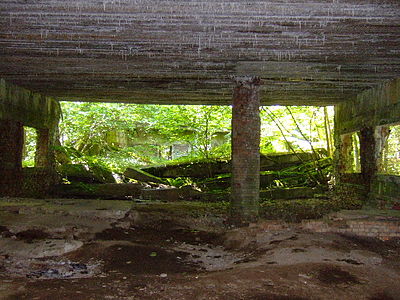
(122, 135)
(391, 154)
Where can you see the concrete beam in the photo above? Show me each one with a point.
(183, 52)
(29, 108)
(245, 151)
(371, 108)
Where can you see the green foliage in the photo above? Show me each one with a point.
(127, 134)
(391, 154)
(303, 130)
(307, 174)
(80, 186)
(180, 181)
(123, 135)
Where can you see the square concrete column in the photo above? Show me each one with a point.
(368, 156)
(245, 151)
(11, 145)
(44, 156)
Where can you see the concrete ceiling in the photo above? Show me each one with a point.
(309, 52)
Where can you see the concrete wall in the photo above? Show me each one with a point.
(367, 113)
(20, 107)
(31, 109)
(366, 227)
(375, 107)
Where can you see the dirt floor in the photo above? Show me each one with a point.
(117, 255)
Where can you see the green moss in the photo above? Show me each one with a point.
(349, 196)
(193, 209)
(296, 210)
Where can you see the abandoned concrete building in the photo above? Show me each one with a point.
(341, 53)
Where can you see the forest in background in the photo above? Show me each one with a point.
(118, 135)
(123, 135)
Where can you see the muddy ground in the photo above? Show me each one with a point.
(167, 260)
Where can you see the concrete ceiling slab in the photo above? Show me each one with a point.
(307, 52)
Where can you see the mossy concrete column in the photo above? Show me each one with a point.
(45, 157)
(11, 145)
(346, 153)
(26, 108)
(245, 151)
(368, 156)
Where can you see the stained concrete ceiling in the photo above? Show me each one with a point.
(185, 51)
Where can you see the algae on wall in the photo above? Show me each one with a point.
(368, 114)
(31, 109)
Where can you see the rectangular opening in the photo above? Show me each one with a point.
(390, 156)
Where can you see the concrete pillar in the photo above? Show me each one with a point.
(44, 156)
(245, 152)
(11, 146)
(368, 156)
(381, 137)
(346, 153)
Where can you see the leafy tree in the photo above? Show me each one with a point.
(94, 131)
(86, 128)
(391, 152)
(296, 128)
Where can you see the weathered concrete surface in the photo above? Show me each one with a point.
(290, 193)
(61, 218)
(141, 175)
(29, 108)
(11, 144)
(306, 51)
(368, 157)
(86, 174)
(268, 162)
(386, 190)
(374, 107)
(38, 182)
(195, 169)
(246, 130)
(98, 191)
(368, 114)
(45, 156)
(38, 249)
(172, 194)
(180, 250)
(124, 191)
(25, 108)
